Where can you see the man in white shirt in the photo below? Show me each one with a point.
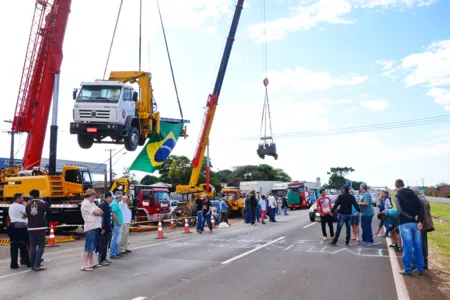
(273, 205)
(92, 216)
(18, 232)
(126, 212)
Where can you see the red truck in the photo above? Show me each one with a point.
(296, 195)
(153, 203)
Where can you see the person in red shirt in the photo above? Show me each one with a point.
(324, 208)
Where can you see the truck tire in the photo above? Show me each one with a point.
(85, 141)
(131, 141)
(142, 140)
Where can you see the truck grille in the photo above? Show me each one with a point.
(93, 114)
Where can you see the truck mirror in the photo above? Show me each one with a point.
(135, 96)
(74, 94)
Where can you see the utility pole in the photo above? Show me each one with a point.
(11, 155)
(423, 182)
(110, 166)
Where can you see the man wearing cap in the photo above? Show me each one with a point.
(92, 216)
(366, 215)
(117, 231)
(345, 202)
(105, 234)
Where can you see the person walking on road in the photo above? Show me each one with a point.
(92, 217)
(366, 215)
(18, 232)
(126, 212)
(410, 215)
(428, 225)
(38, 211)
(105, 234)
(206, 210)
(263, 207)
(223, 208)
(253, 204)
(117, 231)
(272, 205)
(200, 221)
(324, 208)
(345, 202)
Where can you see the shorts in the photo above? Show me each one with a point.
(355, 220)
(391, 228)
(90, 244)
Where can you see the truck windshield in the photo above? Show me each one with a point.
(230, 196)
(95, 93)
(300, 189)
(278, 193)
(161, 196)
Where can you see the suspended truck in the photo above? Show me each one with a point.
(211, 104)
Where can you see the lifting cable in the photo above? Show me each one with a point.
(170, 61)
(140, 35)
(112, 40)
(266, 107)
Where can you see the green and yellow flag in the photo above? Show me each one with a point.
(158, 148)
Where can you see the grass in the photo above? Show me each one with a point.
(440, 238)
(440, 210)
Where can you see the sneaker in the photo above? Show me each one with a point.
(104, 263)
(403, 272)
(398, 249)
(120, 255)
(108, 261)
(393, 245)
(332, 237)
(325, 238)
(416, 271)
(127, 251)
(115, 257)
(263, 223)
(332, 244)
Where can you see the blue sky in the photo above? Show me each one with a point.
(331, 64)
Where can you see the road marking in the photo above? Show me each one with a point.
(289, 247)
(139, 298)
(323, 248)
(402, 292)
(310, 225)
(251, 251)
(151, 245)
(13, 274)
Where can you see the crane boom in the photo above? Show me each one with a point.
(213, 98)
(43, 60)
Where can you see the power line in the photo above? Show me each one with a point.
(359, 129)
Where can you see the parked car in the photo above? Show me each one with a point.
(314, 214)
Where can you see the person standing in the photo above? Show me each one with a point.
(206, 211)
(324, 209)
(223, 207)
(272, 205)
(410, 215)
(263, 207)
(38, 212)
(127, 214)
(428, 225)
(279, 203)
(345, 202)
(105, 234)
(285, 206)
(92, 216)
(366, 215)
(253, 204)
(258, 208)
(355, 220)
(18, 232)
(200, 221)
(117, 231)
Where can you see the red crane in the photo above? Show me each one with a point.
(42, 61)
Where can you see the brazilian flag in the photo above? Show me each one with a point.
(158, 148)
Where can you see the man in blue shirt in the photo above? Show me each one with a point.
(367, 213)
(390, 218)
(223, 208)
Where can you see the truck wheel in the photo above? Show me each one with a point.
(132, 140)
(85, 141)
(312, 219)
(142, 140)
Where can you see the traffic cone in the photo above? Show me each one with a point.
(172, 224)
(186, 226)
(213, 222)
(52, 238)
(160, 232)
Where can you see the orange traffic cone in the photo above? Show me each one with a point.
(213, 222)
(160, 232)
(52, 238)
(186, 226)
(172, 224)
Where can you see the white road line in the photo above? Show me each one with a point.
(310, 225)
(151, 245)
(251, 251)
(139, 298)
(402, 292)
(13, 274)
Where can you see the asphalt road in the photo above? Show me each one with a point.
(285, 260)
(437, 199)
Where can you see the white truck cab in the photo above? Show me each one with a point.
(103, 109)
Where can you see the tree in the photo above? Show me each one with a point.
(149, 180)
(224, 176)
(337, 176)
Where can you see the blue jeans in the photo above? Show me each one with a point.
(258, 214)
(366, 225)
(285, 211)
(115, 240)
(37, 245)
(347, 219)
(200, 221)
(207, 219)
(272, 215)
(412, 246)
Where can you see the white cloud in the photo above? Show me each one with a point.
(375, 105)
(441, 96)
(304, 80)
(342, 101)
(311, 13)
(386, 64)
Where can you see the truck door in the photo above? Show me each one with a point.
(128, 107)
(148, 203)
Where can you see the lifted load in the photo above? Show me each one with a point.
(111, 109)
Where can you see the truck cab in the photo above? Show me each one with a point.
(296, 195)
(154, 201)
(106, 109)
